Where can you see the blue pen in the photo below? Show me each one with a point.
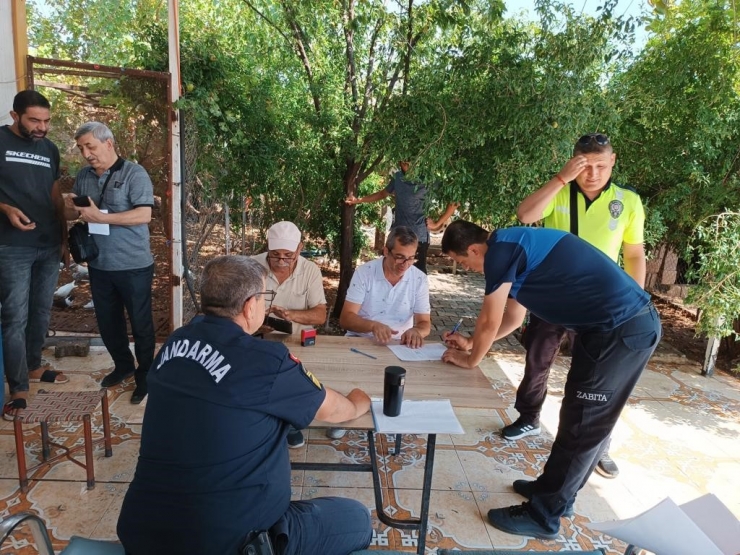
(361, 353)
(456, 326)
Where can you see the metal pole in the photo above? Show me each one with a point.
(227, 226)
(176, 268)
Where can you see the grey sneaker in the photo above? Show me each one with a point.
(520, 429)
(335, 433)
(607, 467)
(525, 488)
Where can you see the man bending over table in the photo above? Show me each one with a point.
(616, 330)
(213, 466)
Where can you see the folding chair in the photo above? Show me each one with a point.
(77, 545)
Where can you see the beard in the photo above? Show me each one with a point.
(28, 134)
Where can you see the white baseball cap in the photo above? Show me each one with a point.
(283, 236)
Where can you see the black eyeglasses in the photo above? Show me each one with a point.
(402, 259)
(598, 138)
(269, 295)
(277, 257)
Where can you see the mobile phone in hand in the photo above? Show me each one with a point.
(81, 201)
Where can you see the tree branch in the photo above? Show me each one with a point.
(269, 21)
(409, 35)
(370, 64)
(348, 17)
(302, 52)
(369, 169)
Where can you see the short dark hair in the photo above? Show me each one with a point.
(28, 99)
(404, 235)
(460, 234)
(228, 282)
(593, 143)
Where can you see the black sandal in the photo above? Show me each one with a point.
(10, 408)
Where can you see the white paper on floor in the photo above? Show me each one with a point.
(703, 525)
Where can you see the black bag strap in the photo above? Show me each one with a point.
(113, 169)
(573, 208)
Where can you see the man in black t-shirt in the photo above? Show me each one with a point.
(32, 229)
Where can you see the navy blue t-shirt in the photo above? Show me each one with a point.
(562, 279)
(214, 461)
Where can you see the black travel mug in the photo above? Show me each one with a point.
(395, 378)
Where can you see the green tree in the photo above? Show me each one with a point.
(679, 129)
(715, 244)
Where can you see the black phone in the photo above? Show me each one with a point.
(81, 201)
(278, 324)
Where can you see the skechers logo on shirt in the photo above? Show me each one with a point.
(205, 355)
(27, 158)
(592, 397)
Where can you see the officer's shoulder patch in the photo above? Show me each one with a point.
(313, 379)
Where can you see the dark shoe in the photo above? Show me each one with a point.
(11, 408)
(607, 467)
(139, 393)
(114, 378)
(520, 429)
(295, 439)
(517, 520)
(526, 489)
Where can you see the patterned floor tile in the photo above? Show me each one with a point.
(678, 436)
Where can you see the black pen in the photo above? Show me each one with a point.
(361, 353)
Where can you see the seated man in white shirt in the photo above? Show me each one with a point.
(299, 288)
(388, 298)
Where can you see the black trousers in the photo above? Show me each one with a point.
(112, 292)
(421, 256)
(602, 375)
(542, 342)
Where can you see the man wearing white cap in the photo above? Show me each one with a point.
(299, 289)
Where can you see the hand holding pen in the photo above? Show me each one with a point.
(453, 339)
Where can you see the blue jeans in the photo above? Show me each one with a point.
(326, 525)
(112, 292)
(28, 277)
(2, 370)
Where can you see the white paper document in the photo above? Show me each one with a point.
(418, 417)
(703, 525)
(430, 351)
(99, 229)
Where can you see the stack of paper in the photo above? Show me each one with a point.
(418, 417)
(430, 351)
(703, 526)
